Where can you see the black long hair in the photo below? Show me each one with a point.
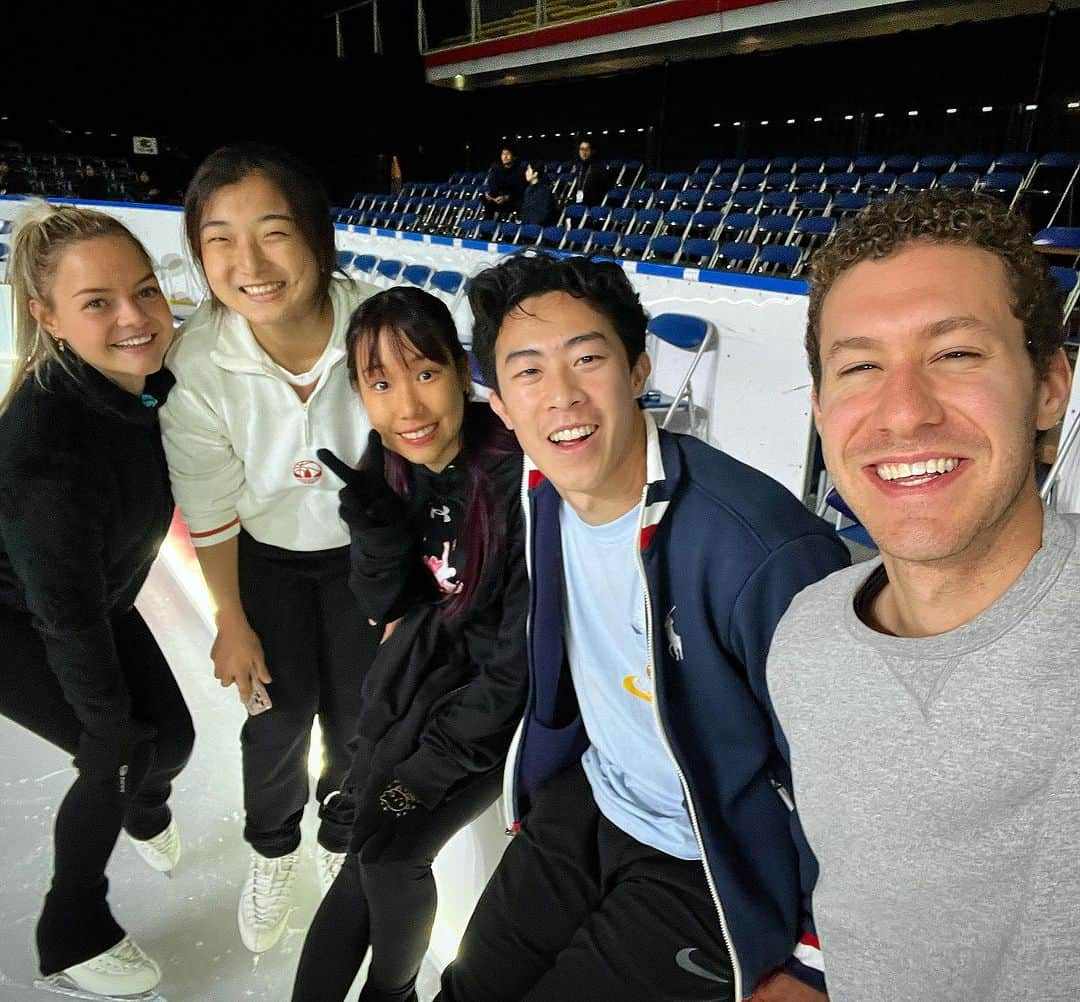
(407, 319)
(299, 186)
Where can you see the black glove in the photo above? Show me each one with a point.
(389, 821)
(387, 575)
(367, 502)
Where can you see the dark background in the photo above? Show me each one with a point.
(202, 75)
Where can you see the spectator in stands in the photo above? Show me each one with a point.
(505, 185)
(84, 507)
(929, 698)
(92, 185)
(144, 190)
(591, 178)
(538, 204)
(654, 857)
(262, 383)
(12, 180)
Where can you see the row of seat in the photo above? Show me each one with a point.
(689, 335)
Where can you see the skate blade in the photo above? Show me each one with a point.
(61, 984)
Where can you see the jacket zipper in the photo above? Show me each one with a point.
(509, 793)
(651, 667)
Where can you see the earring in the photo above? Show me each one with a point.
(61, 344)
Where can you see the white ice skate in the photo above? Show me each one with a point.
(329, 866)
(124, 972)
(265, 899)
(162, 852)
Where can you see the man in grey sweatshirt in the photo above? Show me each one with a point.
(931, 699)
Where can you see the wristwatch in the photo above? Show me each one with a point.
(397, 799)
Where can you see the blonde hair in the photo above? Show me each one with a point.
(43, 234)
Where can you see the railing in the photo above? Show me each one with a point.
(442, 24)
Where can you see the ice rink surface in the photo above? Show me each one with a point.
(186, 922)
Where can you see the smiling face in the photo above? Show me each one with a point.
(929, 402)
(568, 392)
(107, 307)
(256, 260)
(416, 404)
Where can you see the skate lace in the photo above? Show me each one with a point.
(330, 863)
(121, 959)
(271, 880)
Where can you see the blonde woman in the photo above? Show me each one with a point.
(84, 506)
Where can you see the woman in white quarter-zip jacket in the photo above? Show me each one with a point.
(262, 383)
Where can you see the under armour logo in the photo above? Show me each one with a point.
(674, 641)
(443, 513)
(683, 959)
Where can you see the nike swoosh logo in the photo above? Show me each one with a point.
(682, 959)
(630, 685)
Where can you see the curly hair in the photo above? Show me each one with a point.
(940, 216)
(497, 291)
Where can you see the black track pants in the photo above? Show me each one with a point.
(387, 903)
(76, 923)
(318, 646)
(579, 911)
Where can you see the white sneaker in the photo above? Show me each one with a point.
(329, 866)
(162, 852)
(265, 899)
(123, 970)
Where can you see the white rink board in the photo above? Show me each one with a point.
(757, 379)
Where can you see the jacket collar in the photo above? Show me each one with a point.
(101, 394)
(663, 467)
(236, 349)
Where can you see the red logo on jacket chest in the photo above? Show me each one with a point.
(307, 471)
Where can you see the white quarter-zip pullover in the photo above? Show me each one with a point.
(241, 444)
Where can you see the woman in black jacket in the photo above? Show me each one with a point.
(437, 556)
(84, 506)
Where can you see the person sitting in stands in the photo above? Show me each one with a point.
(505, 185)
(538, 203)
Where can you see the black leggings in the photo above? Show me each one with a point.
(76, 923)
(387, 903)
(318, 646)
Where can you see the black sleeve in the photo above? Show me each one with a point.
(53, 527)
(470, 731)
(386, 573)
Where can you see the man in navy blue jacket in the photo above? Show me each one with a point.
(655, 850)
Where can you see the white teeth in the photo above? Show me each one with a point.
(900, 471)
(572, 434)
(421, 433)
(262, 290)
(134, 342)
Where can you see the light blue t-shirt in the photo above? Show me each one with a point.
(628, 767)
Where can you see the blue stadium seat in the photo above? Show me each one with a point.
(417, 274)
(847, 203)
(448, 281)
(738, 255)
(778, 259)
(634, 245)
(939, 163)
(390, 268)
(960, 179)
(900, 163)
(775, 229)
(698, 252)
(664, 248)
(529, 233)
(686, 333)
(916, 180)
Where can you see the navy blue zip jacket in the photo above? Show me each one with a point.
(723, 550)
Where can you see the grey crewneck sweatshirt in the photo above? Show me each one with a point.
(938, 782)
